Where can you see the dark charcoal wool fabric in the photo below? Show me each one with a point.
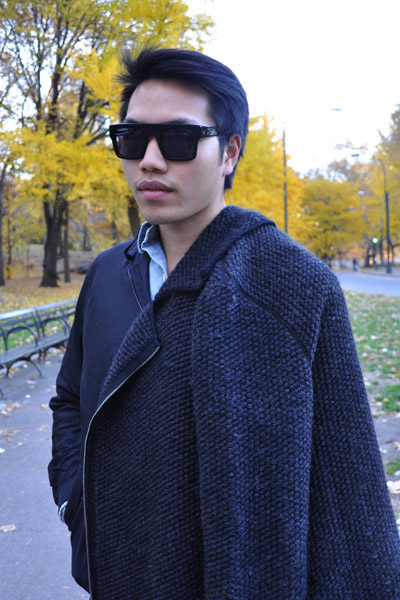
(234, 455)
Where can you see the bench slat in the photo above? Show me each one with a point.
(36, 321)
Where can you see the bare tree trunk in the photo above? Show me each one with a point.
(60, 246)
(9, 247)
(133, 216)
(67, 276)
(114, 232)
(2, 182)
(86, 245)
(54, 219)
(367, 256)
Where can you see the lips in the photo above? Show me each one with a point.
(153, 186)
(153, 190)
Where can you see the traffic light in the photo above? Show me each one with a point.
(375, 240)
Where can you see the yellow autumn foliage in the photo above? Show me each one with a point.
(165, 22)
(333, 215)
(259, 181)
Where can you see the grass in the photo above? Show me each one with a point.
(393, 467)
(375, 321)
(390, 398)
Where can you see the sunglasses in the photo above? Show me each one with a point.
(177, 141)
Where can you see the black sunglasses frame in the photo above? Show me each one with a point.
(155, 130)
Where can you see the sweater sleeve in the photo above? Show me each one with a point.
(353, 543)
(252, 390)
(293, 495)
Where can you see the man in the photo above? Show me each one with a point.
(212, 436)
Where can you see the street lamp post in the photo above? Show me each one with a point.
(285, 194)
(388, 263)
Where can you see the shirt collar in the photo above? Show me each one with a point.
(148, 235)
(149, 241)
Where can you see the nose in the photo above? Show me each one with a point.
(153, 160)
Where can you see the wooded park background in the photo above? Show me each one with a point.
(62, 186)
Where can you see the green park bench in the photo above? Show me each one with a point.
(31, 332)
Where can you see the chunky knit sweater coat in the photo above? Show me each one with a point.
(232, 455)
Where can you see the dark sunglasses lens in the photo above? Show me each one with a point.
(132, 144)
(178, 144)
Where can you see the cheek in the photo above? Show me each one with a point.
(125, 167)
(206, 182)
(130, 170)
(209, 163)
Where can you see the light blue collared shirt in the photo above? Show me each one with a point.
(149, 241)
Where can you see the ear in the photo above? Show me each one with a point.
(231, 154)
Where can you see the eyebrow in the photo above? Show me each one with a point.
(180, 121)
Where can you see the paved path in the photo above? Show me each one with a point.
(378, 283)
(35, 556)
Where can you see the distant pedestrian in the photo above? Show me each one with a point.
(212, 436)
(355, 264)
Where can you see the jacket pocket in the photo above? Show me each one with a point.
(79, 565)
(74, 519)
(74, 500)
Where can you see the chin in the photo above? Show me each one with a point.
(162, 216)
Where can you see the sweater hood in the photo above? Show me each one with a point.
(231, 224)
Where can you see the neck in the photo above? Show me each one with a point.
(177, 237)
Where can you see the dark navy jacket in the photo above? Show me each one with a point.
(119, 289)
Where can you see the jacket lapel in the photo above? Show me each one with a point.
(138, 346)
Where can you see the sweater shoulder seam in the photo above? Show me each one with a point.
(302, 346)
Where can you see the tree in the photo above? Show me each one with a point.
(19, 219)
(43, 38)
(260, 178)
(361, 176)
(388, 154)
(332, 211)
(3, 175)
(58, 63)
(6, 166)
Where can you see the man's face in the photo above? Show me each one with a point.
(172, 192)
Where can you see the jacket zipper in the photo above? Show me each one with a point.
(93, 417)
(134, 290)
(85, 447)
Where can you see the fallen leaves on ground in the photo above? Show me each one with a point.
(8, 434)
(8, 409)
(394, 487)
(25, 292)
(7, 528)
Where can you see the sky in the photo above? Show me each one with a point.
(300, 59)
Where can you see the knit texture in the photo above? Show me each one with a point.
(239, 461)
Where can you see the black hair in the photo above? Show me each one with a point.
(227, 98)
